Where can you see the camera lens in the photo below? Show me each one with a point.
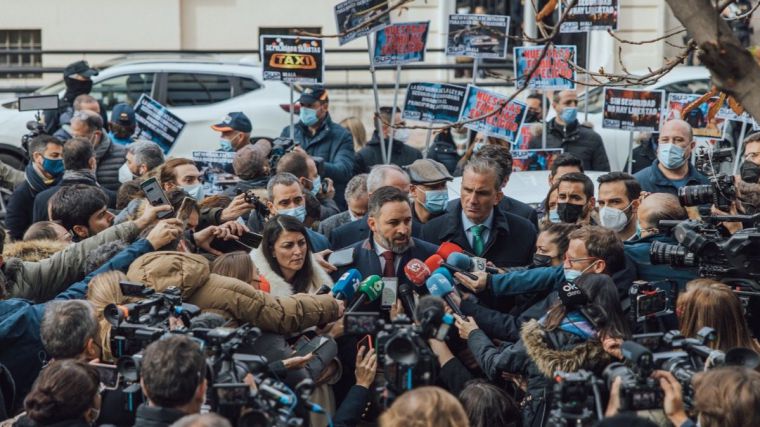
(675, 255)
(695, 195)
(114, 314)
(401, 349)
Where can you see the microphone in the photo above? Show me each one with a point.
(445, 273)
(323, 290)
(406, 295)
(369, 289)
(276, 394)
(448, 248)
(464, 262)
(430, 313)
(435, 261)
(416, 271)
(439, 286)
(345, 288)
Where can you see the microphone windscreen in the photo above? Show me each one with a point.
(416, 271)
(445, 273)
(438, 285)
(434, 261)
(448, 248)
(459, 260)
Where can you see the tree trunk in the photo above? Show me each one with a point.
(732, 67)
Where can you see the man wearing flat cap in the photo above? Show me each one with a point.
(428, 190)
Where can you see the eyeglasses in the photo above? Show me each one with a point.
(575, 260)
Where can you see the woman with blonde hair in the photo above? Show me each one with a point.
(425, 407)
(358, 132)
(708, 302)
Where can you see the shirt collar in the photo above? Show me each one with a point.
(467, 224)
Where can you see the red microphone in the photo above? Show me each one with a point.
(448, 248)
(417, 272)
(434, 261)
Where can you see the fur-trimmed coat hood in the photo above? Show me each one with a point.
(278, 287)
(33, 250)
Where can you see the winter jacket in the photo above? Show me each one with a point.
(537, 355)
(156, 416)
(40, 212)
(371, 154)
(19, 214)
(328, 225)
(230, 297)
(278, 287)
(652, 179)
(334, 145)
(21, 349)
(644, 154)
(34, 250)
(41, 281)
(578, 140)
(444, 151)
(110, 157)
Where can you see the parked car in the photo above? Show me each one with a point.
(201, 91)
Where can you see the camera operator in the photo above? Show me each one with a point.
(750, 169)
(581, 331)
(173, 378)
(654, 208)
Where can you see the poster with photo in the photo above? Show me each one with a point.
(477, 36)
(534, 160)
(632, 109)
(590, 15)
(350, 16)
(400, 44)
(553, 72)
(292, 59)
(697, 117)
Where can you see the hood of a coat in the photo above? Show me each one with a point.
(278, 287)
(584, 355)
(33, 250)
(160, 270)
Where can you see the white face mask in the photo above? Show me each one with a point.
(401, 135)
(125, 174)
(613, 218)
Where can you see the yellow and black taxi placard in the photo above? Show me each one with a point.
(293, 59)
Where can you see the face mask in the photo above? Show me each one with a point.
(569, 115)
(478, 147)
(308, 116)
(401, 135)
(53, 166)
(638, 230)
(571, 275)
(554, 217)
(125, 174)
(613, 218)
(316, 185)
(226, 145)
(569, 213)
(460, 138)
(299, 212)
(531, 116)
(78, 87)
(435, 201)
(195, 191)
(671, 156)
(750, 172)
(542, 260)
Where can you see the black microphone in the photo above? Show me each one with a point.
(324, 289)
(405, 293)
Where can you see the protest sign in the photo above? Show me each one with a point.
(697, 117)
(157, 123)
(553, 72)
(477, 36)
(726, 112)
(351, 14)
(590, 15)
(215, 168)
(534, 160)
(293, 59)
(632, 109)
(400, 44)
(433, 102)
(504, 125)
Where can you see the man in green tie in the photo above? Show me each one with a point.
(478, 225)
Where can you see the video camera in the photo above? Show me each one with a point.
(35, 127)
(721, 191)
(258, 206)
(577, 400)
(280, 147)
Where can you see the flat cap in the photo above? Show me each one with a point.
(427, 171)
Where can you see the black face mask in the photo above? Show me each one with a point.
(750, 172)
(76, 87)
(531, 117)
(542, 260)
(569, 213)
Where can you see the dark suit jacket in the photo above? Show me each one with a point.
(356, 231)
(519, 208)
(511, 242)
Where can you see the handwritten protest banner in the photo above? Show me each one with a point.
(504, 125)
(553, 72)
(632, 109)
(293, 59)
(400, 44)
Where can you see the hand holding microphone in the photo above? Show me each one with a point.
(440, 286)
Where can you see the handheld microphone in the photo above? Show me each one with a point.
(439, 286)
(406, 295)
(435, 261)
(432, 316)
(448, 248)
(369, 289)
(323, 290)
(442, 270)
(345, 288)
(416, 271)
(466, 263)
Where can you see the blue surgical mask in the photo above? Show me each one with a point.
(671, 156)
(195, 191)
(569, 115)
(554, 217)
(316, 185)
(638, 230)
(299, 212)
(435, 201)
(53, 166)
(571, 275)
(226, 145)
(308, 116)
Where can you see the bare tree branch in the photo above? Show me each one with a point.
(663, 37)
(368, 23)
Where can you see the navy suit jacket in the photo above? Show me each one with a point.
(356, 231)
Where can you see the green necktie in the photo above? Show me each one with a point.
(477, 239)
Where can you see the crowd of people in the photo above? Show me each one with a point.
(545, 292)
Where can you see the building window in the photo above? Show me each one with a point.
(12, 42)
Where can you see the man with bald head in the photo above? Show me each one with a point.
(654, 208)
(672, 169)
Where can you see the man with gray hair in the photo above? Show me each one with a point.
(81, 103)
(142, 157)
(108, 155)
(477, 223)
(356, 198)
(380, 176)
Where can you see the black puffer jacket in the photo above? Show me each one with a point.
(537, 355)
(110, 158)
(578, 140)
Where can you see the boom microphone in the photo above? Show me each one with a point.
(369, 289)
(439, 286)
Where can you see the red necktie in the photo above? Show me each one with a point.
(389, 270)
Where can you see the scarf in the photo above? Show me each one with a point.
(576, 324)
(36, 181)
(81, 175)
